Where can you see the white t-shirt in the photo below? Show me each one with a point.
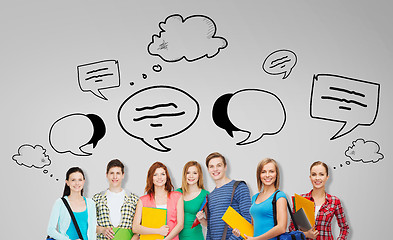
(316, 211)
(115, 202)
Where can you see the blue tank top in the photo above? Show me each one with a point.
(82, 220)
(262, 213)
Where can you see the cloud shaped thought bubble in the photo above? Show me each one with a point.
(97, 76)
(254, 111)
(280, 62)
(32, 156)
(73, 132)
(158, 112)
(364, 151)
(191, 39)
(342, 99)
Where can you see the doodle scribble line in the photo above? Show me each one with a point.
(102, 75)
(347, 91)
(97, 70)
(280, 63)
(156, 106)
(345, 108)
(344, 100)
(159, 115)
(278, 59)
(155, 125)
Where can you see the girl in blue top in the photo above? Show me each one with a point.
(268, 180)
(60, 225)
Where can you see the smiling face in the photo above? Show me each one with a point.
(76, 181)
(268, 174)
(192, 175)
(115, 176)
(318, 176)
(159, 177)
(217, 168)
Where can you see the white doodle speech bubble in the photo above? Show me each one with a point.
(32, 156)
(157, 112)
(191, 39)
(364, 151)
(73, 132)
(280, 62)
(94, 77)
(342, 99)
(256, 112)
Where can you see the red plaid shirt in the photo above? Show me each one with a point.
(323, 222)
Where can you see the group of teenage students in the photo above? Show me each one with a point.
(115, 207)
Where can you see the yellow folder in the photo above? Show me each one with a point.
(308, 207)
(235, 220)
(153, 218)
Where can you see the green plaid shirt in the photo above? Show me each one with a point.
(127, 211)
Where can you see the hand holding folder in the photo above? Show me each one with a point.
(153, 218)
(196, 221)
(235, 220)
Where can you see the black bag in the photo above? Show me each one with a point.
(294, 235)
(73, 220)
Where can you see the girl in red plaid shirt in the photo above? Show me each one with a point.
(326, 206)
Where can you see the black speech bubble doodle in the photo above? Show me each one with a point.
(99, 131)
(342, 99)
(220, 114)
(222, 119)
(198, 32)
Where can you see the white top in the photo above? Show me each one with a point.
(115, 202)
(161, 206)
(316, 211)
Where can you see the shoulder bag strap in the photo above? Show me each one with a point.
(73, 217)
(275, 211)
(224, 235)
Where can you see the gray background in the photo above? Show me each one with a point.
(42, 43)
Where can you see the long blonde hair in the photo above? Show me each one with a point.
(261, 164)
(184, 185)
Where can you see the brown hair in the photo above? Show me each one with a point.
(215, 155)
(261, 164)
(184, 185)
(115, 163)
(149, 189)
(320, 163)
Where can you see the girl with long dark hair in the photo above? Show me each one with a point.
(60, 225)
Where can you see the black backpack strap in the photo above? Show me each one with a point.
(72, 217)
(274, 203)
(224, 235)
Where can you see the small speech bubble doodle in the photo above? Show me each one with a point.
(254, 111)
(97, 76)
(32, 156)
(191, 39)
(73, 132)
(364, 151)
(342, 99)
(280, 62)
(156, 113)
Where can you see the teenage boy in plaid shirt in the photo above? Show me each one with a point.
(115, 207)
